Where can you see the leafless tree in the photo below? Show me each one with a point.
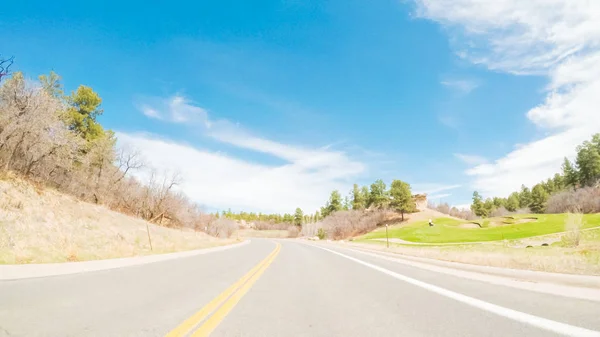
(5, 66)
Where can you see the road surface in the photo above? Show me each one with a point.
(283, 288)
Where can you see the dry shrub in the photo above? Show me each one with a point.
(344, 224)
(500, 211)
(271, 225)
(466, 214)
(293, 231)
(573, 228)
(222, 227)
(585, 200)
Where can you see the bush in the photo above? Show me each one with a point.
(466, 214)
(584, 200)
(222, 227)
(271, 225)
(344, 224)
(500, 211)
(293, 231)
(321, 234)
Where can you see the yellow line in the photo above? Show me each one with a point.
(195, 319)
(214, 320)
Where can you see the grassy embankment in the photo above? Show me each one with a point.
(39, 225)
(448, 230)
(574, 243)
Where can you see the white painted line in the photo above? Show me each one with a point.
(539, 322)
(584, 293)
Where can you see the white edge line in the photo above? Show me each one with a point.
(568, 291)
(27, 271)
(539, 322)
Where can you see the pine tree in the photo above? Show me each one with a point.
(539, 196)
(358, 201)
(378, 196)
(402, 200)
(512, 204)
(477, 205)
(524, 197)
(298, 217)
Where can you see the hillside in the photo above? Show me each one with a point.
(39, 225)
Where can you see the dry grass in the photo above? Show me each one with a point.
(39, 226)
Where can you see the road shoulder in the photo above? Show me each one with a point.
(25, 271)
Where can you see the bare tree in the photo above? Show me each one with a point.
(5, 66)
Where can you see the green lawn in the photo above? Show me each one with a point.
(448, 230)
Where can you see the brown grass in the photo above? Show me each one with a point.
(39, 225)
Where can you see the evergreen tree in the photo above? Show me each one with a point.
(402, 200)
(358, 201)
(524, 197)
(512, 204)
(477, 205)
(539, 196)
(570, 174)
(298, 217)
(378, 196)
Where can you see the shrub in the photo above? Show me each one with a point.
(584, 200)
(466, 214)
(222, 227)
(344, 224)
(321, 234)
(271, 225)
(500, 211)
(293, 231)
(573, 226)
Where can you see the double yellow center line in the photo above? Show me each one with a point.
(221, 305)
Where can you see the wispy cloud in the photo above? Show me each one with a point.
(438, 196)
(471, 159)
(449, 121)
(464, 86)
(304, 180)
(556, 38)
(432, 188)
(175, 109)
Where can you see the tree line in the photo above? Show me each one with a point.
(376, 196)
(584, 172)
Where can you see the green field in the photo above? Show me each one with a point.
(448, 230)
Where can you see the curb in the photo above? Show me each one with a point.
(27, 271)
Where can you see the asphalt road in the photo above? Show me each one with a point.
(298, 290)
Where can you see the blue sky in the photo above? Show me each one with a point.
(269, 105)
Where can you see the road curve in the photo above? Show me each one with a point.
(283, 288)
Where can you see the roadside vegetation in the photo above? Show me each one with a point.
(41, 225)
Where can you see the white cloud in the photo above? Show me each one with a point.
(217, 180)
(221, 181)
(464, 86)
(150, 112)
(432, 188)
(471, 159)
(556, 38)
(438, 196)
(175, 109)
